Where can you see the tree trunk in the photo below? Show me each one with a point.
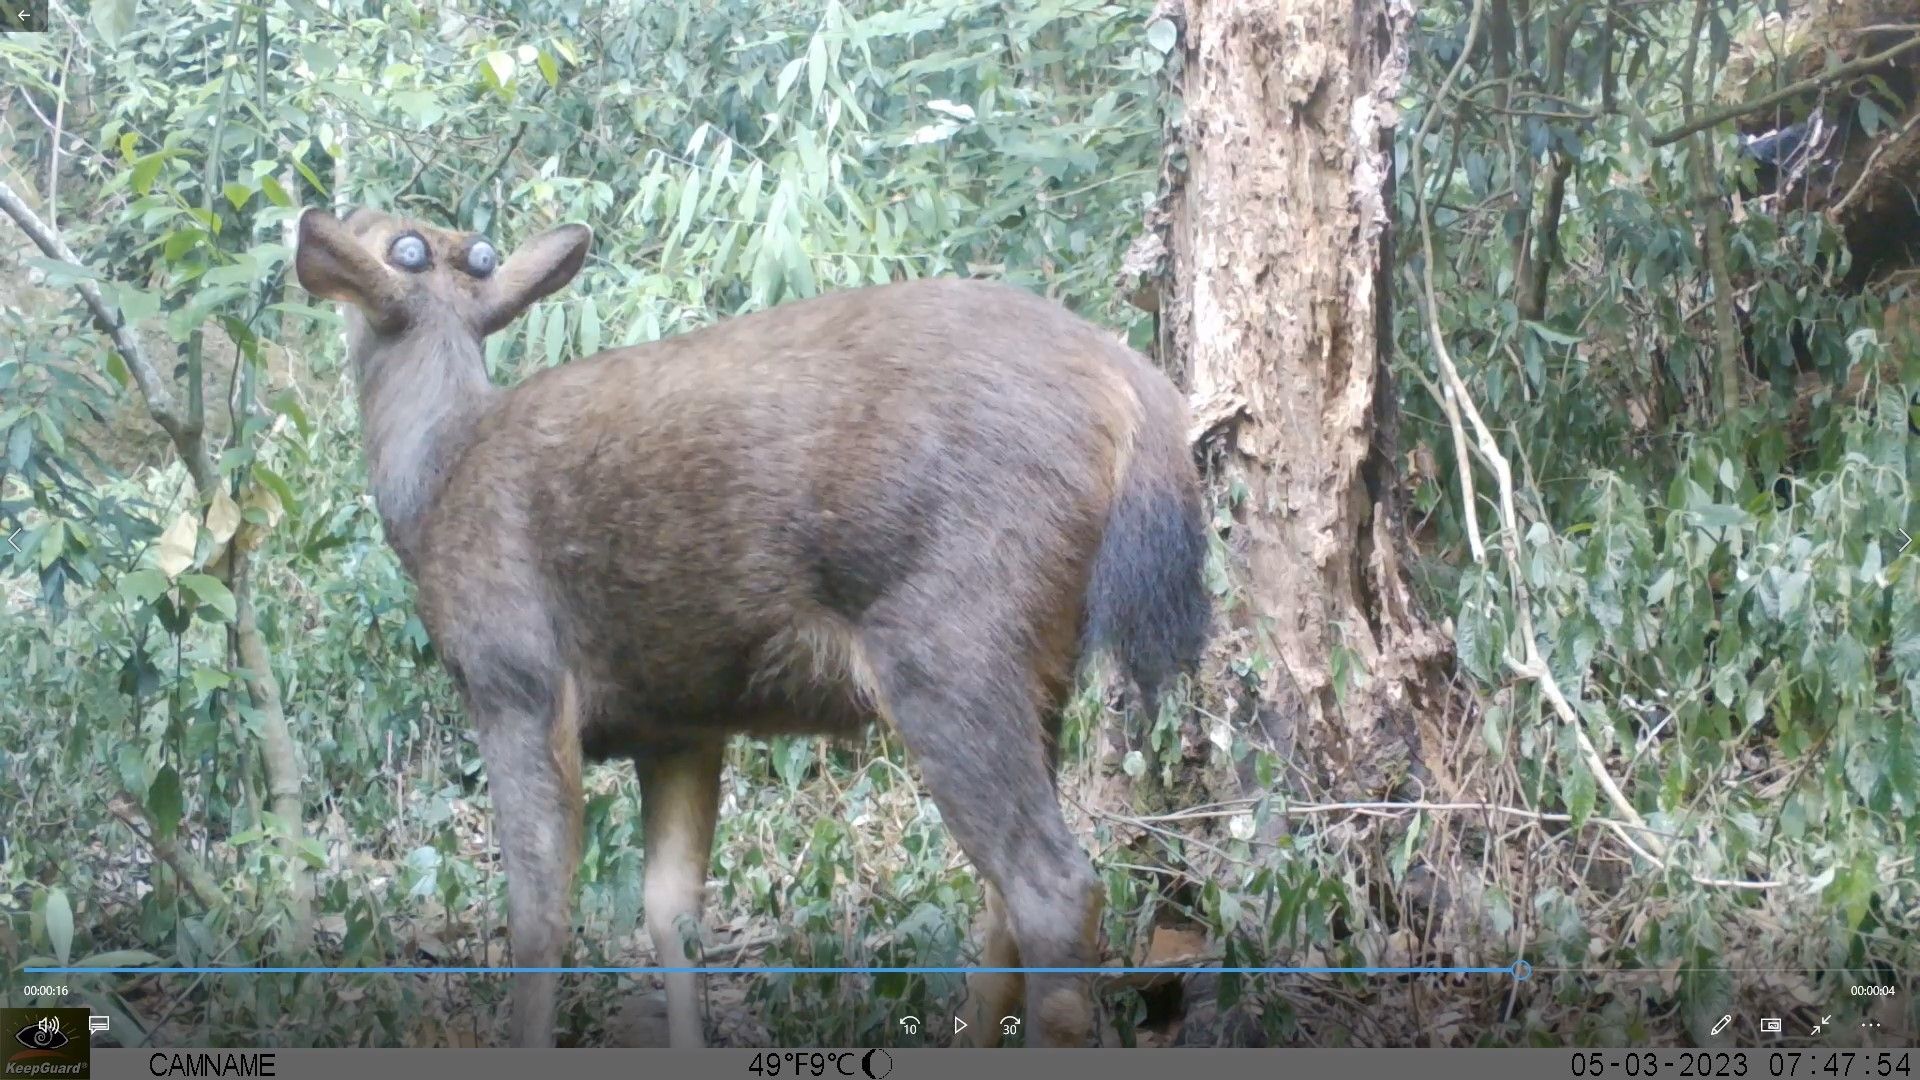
(1278, 237)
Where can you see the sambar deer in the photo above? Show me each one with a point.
(921, 503)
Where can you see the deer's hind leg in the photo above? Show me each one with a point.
(953, 682)
(992, 995)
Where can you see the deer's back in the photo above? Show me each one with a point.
(708, 518)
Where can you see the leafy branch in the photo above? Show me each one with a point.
(188, 438)
(1785, 93)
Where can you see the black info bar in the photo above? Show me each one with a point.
(946, 1064)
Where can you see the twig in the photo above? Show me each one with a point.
(160, 402)
(1164, 834)
(464, 208)
(1859, 182)
(1470, 504)
(196, 878)
(1391, 808)
(53, 156)
(1765, 101)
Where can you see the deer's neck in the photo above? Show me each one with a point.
(420, 402)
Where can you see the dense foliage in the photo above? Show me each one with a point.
(1715, 577)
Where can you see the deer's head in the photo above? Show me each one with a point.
(397, 277)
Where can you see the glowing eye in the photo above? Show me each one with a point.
(481, 258)
(409, 253)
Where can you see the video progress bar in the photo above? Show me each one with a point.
(1520, 970)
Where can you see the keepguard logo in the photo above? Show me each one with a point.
(52, 1044)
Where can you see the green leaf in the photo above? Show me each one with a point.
(788, 75)
(119, 958)
(1549, 334)
(319, 58)
(1719, 516)
(275, 193)
(549, 70)
(237, 194)
(278, 485)
(137, 305)
(497, 67)
(1162, 35)
(689, 200)
(145, 170)
(59, 920)
(180, 241)
(1661, 588)
(19, 445)
(143, 586)
(112, 19)
(589, 327)
(53, 543)
(311, 178)
(287, 403)
(420, 106)
(210, 591)
(1578, 788)
(817, 67)
(208, 679)
(165, 803)
(240, 272)
(311, 852)
(62, 273)
(208, 218)
(556, 336)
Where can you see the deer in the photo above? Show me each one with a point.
(925, 504)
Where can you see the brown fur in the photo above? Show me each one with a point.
(919, 503)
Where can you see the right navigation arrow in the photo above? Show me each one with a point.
(1905, 540)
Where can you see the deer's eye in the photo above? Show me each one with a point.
(481, 259)
(409, 252)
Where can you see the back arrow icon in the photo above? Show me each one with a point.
(11, 536)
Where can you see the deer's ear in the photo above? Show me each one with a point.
(541, 267)
(332, 263)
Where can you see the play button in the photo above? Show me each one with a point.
(959, 1025)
